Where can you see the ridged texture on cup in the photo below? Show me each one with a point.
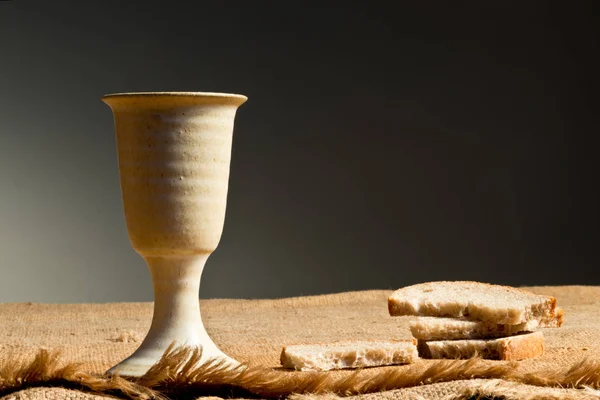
(174, 154)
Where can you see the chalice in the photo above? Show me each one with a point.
(174, 152)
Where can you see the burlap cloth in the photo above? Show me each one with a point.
(100, 335)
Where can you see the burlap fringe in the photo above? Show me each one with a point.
(178, 375)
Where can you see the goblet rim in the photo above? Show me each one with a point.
(232, 97)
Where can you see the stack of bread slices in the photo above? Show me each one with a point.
(466, 319)
(453, 320)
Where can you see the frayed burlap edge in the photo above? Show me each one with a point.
(178, 375)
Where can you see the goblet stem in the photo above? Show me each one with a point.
(176, 281)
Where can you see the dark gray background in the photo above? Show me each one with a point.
(383, 144)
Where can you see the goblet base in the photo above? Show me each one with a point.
(176, 281)
(137, 364)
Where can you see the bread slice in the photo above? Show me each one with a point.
(518, 347)
(348, 354)
(475, 300)
(431, 328)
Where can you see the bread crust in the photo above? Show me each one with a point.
(521, 347)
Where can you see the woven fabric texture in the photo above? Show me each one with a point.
(100, 335)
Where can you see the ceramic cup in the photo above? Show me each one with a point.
(174, 151)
